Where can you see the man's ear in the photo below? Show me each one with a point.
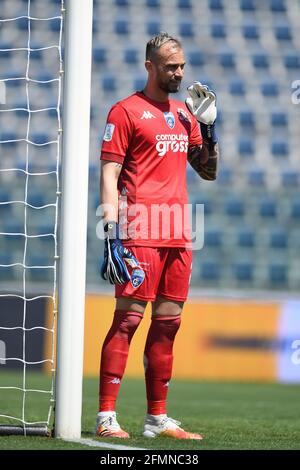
(148, 65)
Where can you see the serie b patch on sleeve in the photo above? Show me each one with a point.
(108, 132)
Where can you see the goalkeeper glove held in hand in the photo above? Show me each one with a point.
(119, 265)
(202, 104)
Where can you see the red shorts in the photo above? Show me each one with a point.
(168, 273)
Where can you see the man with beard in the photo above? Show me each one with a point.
(148, 253)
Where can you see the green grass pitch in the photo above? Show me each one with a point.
(230, 415)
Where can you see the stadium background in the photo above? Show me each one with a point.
(242, 321)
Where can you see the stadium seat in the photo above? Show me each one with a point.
(237, 87)
(279, 118)
(292, 61)
(5, 196)
(109, 84)
(45, 79)
(278, 239)
(35, 198)
(216, 5)
(290, 179)
(268, 209)
(280, 148)
(210, 271)
(269, 88)
(99, 55)
(22, 24)
(13, 74)
(186, 29)
(224, 176)
(208, 206)
(153, 3)
(256, 178)
(9, 137)
(131, 56)
(227, 60)
(54, 24)
(246, 239)
(218, 30)
(283, 33)
(213, 238)
(243, 271)
(96, 200)
(5, 54)
(45, 229)
(234, 207)
(184, 4)
(40, 274)
(250, 31)
(121, 27)
(246, 119)
(247, 5)
(122, 3)
(153, 28)
(52, 112)
(295, 210)
(36, 53)
(260, 60)
(245, 146)
(21, 113)
(277, 274)
(14, 227)
(278, 6)
(6, 258)
(196, 58)
(139, 84)
(40, 138)
(6, 272)
(94, 171)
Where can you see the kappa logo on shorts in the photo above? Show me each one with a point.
(170, 119)
(108, 133)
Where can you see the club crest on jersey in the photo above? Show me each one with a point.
(108, 133)
(170, 119)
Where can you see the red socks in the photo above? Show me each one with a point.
(114, 356)
(158, 361)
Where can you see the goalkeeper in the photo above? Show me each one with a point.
(147, 141)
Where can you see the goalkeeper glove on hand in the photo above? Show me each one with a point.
(116, 258)
(202, 104)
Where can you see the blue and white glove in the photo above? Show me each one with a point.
(118, 258)
(202, 104)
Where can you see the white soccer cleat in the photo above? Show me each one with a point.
(164, 426)
(108, 426)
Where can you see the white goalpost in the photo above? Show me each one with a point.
(68, 263)
(76, 118)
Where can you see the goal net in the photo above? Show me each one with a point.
(31, 71)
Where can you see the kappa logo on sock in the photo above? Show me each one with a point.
(167, 384)
(115, 381)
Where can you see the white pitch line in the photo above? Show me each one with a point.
(105, 445)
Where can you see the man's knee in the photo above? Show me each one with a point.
(167, 308)
(127, 323)
(130, 305)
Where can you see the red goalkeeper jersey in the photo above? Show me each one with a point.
(151, 140)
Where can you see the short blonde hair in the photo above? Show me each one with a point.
(156, 42)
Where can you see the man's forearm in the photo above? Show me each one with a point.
(109, 191)
(204, 160)
(109, 201)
